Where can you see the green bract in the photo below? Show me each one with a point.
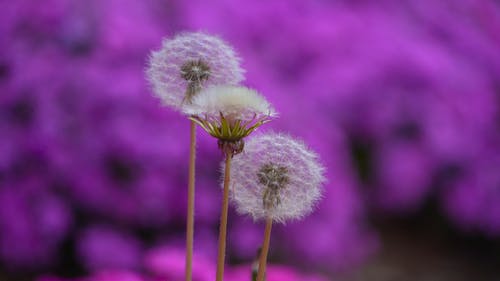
(225, 130)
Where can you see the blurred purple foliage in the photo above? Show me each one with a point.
(400, 100)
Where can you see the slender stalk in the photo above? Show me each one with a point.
(223, 220)
(190, 204)
(265, 250)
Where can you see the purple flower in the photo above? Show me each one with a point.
(34, 224)
(471, 199)
(101, 247)
(404, 175)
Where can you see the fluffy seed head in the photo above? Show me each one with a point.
(276, 177)
(189, 62)
(234, 102)
(229, 113)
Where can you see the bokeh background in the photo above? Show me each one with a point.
(400, 98)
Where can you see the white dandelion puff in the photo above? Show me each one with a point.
(277, 177)
(229, 113)
(189, 62)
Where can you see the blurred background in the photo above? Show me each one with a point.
(400, 98)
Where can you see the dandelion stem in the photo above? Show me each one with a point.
(223, 219)
(190, 203)
(265, 250)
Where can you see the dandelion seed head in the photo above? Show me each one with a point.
(188, 63)
(229, 113)
(234, 102)
(278, 177)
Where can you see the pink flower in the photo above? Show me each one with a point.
(167, 264)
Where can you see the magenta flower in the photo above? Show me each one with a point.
(167, 264)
